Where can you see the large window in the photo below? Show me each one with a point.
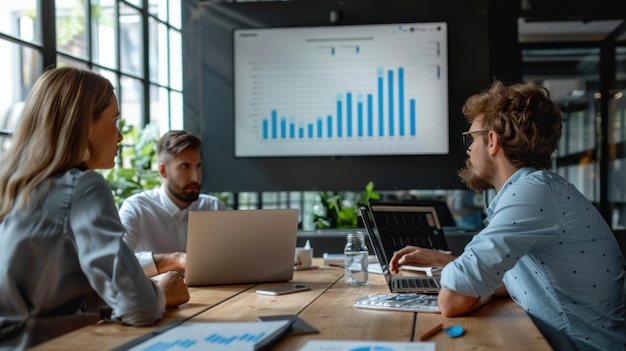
(20, 44)
(135, 44)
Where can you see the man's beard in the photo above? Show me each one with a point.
(182, 196)
(473, 181)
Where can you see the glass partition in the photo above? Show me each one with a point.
(572, 76)
(617, 143)
(592, 149)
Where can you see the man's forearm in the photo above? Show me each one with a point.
(166, 262)
(501, 291)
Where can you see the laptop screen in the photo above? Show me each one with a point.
(241, 246)
(407, 223)
(376, 244)
(423, 285)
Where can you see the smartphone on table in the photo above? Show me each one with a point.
(283, 289)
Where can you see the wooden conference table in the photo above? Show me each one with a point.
(500, 325)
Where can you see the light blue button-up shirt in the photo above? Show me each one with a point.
(557, 257)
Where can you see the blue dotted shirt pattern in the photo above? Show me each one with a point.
(557, 257)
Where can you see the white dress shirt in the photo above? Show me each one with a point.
(154, 223)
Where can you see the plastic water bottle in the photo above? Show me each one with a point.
(356, 260)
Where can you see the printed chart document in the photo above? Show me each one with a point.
(227, 336)
(338, 345)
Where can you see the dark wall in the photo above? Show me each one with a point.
(334, 240)
(208, 90)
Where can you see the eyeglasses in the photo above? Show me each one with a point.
(468, 138)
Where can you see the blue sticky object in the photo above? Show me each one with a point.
(454, 331)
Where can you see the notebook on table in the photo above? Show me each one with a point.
(240, 246)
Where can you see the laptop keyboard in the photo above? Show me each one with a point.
(414, 283)
(399, 302)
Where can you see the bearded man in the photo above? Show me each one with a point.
(156, 219)
(545, 244)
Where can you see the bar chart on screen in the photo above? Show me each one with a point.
(376, 89)
(359, 122)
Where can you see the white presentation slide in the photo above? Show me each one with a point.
(341, 90)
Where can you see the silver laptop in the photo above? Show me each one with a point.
(240, 246)
(398, 284)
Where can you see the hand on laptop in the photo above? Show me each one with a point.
(417, 256)
(175, 289)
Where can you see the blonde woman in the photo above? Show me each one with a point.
(62, 259)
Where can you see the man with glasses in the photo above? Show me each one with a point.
(545, 244)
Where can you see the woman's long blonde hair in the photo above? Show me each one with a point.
(52, 133)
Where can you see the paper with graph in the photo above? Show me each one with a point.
(226, 336)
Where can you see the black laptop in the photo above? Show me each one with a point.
(392, 226)
(407, 223)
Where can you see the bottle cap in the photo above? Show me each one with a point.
(454, 331)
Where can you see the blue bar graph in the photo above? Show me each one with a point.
(339, 123)
(373, 90)
(359, 118)
(274, 119)
(265, 126)
(216, 338)
(319, 127)
(370, 118)
(164, 346)
(401, 100)
(357, 114)
(349, 114)
(390, 92)
(330, 126)
(412, 112)
(283, 128)
(381, 116)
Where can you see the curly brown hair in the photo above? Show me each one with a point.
(525, 118)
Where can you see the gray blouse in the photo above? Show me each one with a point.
(61, 252)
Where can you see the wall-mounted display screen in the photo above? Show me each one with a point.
(378, 89)
(332, 94)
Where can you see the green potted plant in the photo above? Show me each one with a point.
(134, 171)
(340, 210)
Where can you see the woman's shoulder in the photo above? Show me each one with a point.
(79, 174)
(87, 188)
(81, 180)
